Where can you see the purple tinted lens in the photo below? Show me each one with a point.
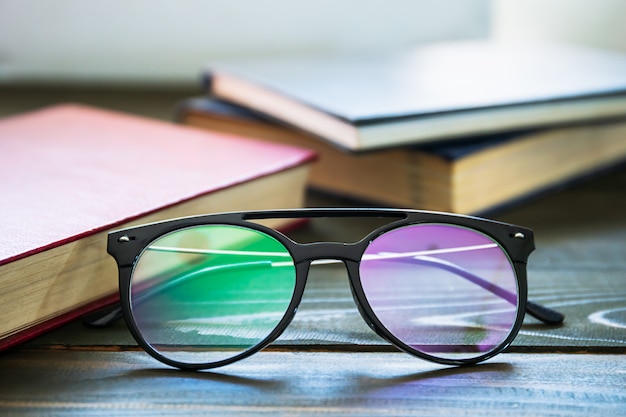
(443, 290)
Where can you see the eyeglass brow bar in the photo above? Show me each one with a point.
(542, 313)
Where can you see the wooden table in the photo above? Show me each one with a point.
(330, 363)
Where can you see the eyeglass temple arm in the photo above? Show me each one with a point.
(545, 314)
(542, 313)
(107, 315)
(103, 317)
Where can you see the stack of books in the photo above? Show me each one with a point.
(467, 127)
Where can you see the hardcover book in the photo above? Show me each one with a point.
(71, 173)
(429, 93)
(474, 176)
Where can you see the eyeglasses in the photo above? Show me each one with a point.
(205, 291)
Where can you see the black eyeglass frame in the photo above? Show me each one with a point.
(127, 245)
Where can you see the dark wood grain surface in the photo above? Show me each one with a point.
(288, 383)
(330, 363)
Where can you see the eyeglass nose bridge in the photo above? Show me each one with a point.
(338, 251)
(348, 254)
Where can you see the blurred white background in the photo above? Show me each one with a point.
(168, 42)
(600, 23)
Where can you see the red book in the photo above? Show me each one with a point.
(71, 173)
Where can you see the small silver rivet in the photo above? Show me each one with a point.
(519, 235)
(123, 239)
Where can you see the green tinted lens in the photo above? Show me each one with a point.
(208, 293)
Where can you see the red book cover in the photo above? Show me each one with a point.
(70, 173)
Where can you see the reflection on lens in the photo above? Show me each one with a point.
(443, 290)
(208, 293)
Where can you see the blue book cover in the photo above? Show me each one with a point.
(428, 93)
